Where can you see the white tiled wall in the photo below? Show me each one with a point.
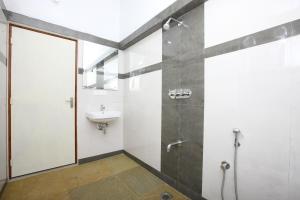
(92, 142)
(138, 131)
(3, 121)
(231, 19)
(142, 101)
(3, 105)
(144, 53)
(142, 118)
(256, 90)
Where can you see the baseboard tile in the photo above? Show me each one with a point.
(98, 157)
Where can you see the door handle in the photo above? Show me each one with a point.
(71, 102)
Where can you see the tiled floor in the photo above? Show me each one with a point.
(114, 178)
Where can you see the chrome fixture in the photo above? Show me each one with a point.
(166, 25)
(166, 196)
(237, 144)
(224, 166)
(102, 127)
(102, 108)
(178, 142)
(180, 93)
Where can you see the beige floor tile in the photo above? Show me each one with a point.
(114, 178)
(107, 189)
(120, 163)
(140, 180)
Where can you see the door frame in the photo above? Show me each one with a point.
(11, 25)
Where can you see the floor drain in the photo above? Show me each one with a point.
(166, 196)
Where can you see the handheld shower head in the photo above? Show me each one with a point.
(236, 131)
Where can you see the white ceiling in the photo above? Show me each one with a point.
(109, 19)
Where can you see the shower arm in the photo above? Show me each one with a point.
(171, 18)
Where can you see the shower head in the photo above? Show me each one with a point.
(166, 25)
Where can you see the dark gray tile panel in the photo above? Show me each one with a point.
(39, 24)
(99, 157)
(178, 8)
(280, 32)
(141, 71)
(183, 67)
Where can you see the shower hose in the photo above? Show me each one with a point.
(223, 183)
(236, 146)
(224, 166)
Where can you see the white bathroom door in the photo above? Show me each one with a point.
(43, 108)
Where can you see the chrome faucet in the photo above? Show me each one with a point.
(178, 142)
(102, 108)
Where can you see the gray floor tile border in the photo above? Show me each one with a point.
(39, 24)
(99, 157)
(276, 33)
(144, 70)
(178, 8)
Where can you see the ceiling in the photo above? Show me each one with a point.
(110, 19)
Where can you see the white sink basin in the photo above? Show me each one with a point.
(103, 116)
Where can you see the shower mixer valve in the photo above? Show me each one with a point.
(180, 93)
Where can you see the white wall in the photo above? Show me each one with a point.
(92, 142)
(142, 101)
(109, 19)
(256, 90)
(144, 53)
(141, 96)
(135, 13)
(3, 97)
(97, 17)
(228, 20)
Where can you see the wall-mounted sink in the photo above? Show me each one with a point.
(103, 116)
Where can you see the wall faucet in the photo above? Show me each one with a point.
(178, 142)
